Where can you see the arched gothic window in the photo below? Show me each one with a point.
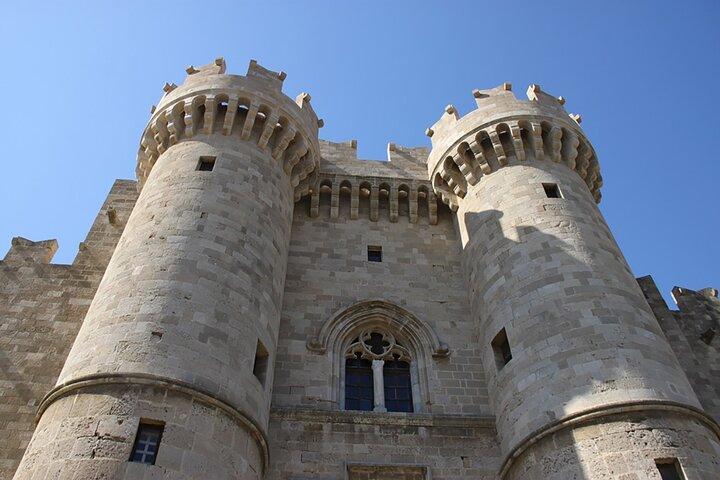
(377, 374)
(380, 355)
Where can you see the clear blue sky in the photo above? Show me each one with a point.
(78, 79)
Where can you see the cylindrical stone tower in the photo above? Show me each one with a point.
(183, 330)
(581, 378)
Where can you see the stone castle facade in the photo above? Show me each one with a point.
(262, 304)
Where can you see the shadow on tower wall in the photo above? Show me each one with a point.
(584, 343)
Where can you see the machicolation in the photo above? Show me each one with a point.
(260, 304)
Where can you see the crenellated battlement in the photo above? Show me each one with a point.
(269, 297)
(251, 107)
(379, 190)
(503, 130)
(28, 251)
(402, 162)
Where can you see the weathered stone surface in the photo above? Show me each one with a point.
(693, 331)
(42, 306)
(223, 301)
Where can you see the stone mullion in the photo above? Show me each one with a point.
(378, 386)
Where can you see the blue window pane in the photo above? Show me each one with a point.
(398, 392)
(147, 443)
(358, 384)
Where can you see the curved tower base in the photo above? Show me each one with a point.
(92, 428)
(621, 445)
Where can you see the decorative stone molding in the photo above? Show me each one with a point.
(369, 313)
(252, 108)
(373, 418)
(391, 350)
(502, 131)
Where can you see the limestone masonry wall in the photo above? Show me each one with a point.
(41, 308)
(326, 445)
(272, 307)
(328, 271)
(693, 332)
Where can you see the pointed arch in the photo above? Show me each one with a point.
(341, 329)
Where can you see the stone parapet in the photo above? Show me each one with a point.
(28, 251)
(503, 131)
(402, 161)
(251, 107)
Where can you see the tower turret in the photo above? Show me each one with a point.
(572, 353)
(182, 333)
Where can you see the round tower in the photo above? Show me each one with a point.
(581, 378)
(182, 333)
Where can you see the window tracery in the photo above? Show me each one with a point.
(377, 373)
(407, 335)
(374, 344)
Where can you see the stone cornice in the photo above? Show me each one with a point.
(385, 418)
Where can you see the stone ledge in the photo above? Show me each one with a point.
(372, 418)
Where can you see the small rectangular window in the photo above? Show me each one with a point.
(374, 253)
(147, 443)
(501, 347)
(669, 469)
(552, 190)
(261, 362)
(206, 164)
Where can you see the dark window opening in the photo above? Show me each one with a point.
(358, 385)
(147, 442)
(374, 253)
(261, 362)
(552, 190)
(501, 347)
(398, 388)
(708, 336)
(377, 344)
(206, 164)
(669, 469)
